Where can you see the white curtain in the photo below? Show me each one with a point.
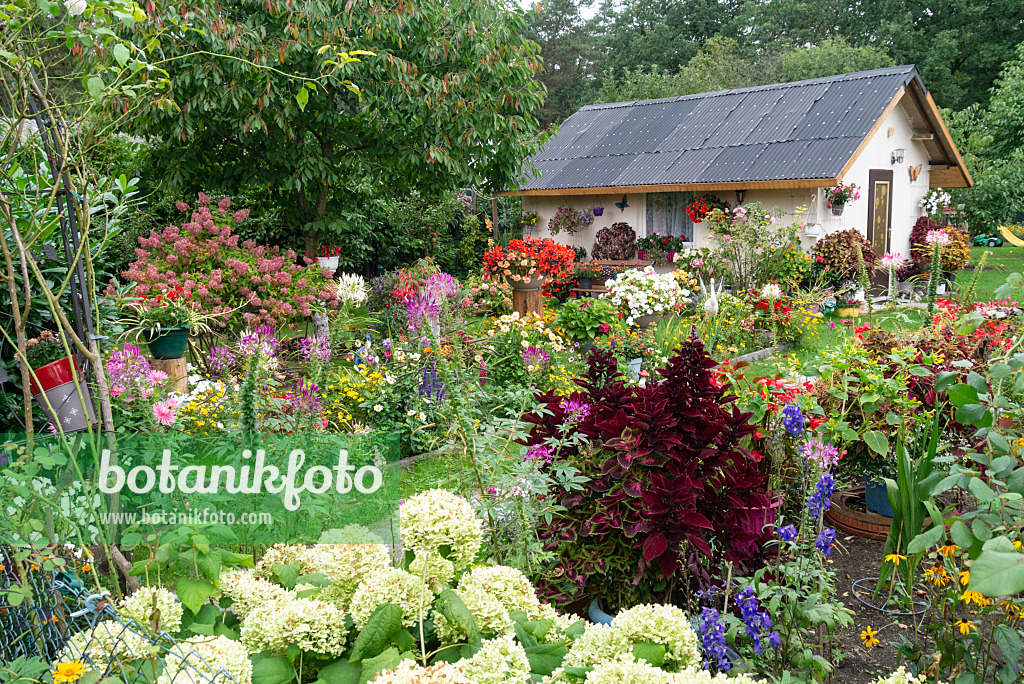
(666, 214)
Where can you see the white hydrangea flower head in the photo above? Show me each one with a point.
(627, 670)
(901, 676)
(151, 604)
(491, 592)
(395, 586)
(662, 624)
(436, 571)
(499, 661)
(249, 591)
(311, 624)
(436, 518)
(408, 672)
(598, 644)
(287, 554)
(207, 660)
(108, 643)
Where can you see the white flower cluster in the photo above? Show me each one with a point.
(408, 672)
(491, 592)
(901, 676)
(499, 661)
(643, 292)
(287, 554)
(436, 571)
(398, 587)
(107, 644)
(659, 624)
(153, 604)
(249, 591)
(530, 327)
(437, 518)
(312, 625)
(352, 289)
(626, 670)
(771, 292)
(207, 660)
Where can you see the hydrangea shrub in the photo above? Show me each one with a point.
(219, 274)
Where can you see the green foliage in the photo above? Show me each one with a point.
(583, 318)
(440, 102)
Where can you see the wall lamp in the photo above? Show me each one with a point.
(897, 155)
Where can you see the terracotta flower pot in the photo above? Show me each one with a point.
(56, 388)
(847, 519)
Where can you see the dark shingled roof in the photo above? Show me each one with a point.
(784, 131)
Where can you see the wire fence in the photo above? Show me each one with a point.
(52, 615)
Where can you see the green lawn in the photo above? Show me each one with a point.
(1001, 262)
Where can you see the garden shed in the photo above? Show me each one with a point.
(782, 145)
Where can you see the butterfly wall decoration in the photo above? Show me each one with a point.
(623, 204)
(915, 171)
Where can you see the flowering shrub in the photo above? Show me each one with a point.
(569, 220)
(836, 255)
(489, 297)
(217, 274)
(663, 490)
(615, 242)
(643, 292)
(842, 194)
(510, 336)
(936, 201)
(214, 659)
(524, 258)
(750, 241)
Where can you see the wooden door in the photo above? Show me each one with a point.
(880, 209)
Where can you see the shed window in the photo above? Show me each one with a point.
(666, 214)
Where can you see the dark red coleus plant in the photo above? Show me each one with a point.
(672, 490)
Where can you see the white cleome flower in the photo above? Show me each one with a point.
(352, 289)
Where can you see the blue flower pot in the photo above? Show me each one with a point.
(876, 497)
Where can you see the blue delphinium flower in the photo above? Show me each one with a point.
(756, 622)
(793, 419)
(712, 637)
(788, 533)
(820, 499)
(825, 539)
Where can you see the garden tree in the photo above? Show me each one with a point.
(567, 50)
(830, 57)
(446, 99)
(664, 34)
(991, 140)
(959, 46)
(762, 24)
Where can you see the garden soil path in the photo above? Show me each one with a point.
(862, 558)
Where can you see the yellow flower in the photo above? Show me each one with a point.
(948, 550)
(965, 577)
(66, 673)
(895, 558)
(965, 627)
(869, 637)
(936, 576)
(970, 597)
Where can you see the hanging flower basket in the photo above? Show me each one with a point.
(837, 208)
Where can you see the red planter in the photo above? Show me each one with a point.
(760, 518)
(56, 388)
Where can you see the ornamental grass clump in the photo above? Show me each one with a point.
(219, 275)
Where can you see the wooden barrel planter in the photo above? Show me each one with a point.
(852, 521)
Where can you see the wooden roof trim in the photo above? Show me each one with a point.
(677, 187)
(946, 140)
(874, 129)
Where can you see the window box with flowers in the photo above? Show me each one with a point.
(837, 198)
(526, 264)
